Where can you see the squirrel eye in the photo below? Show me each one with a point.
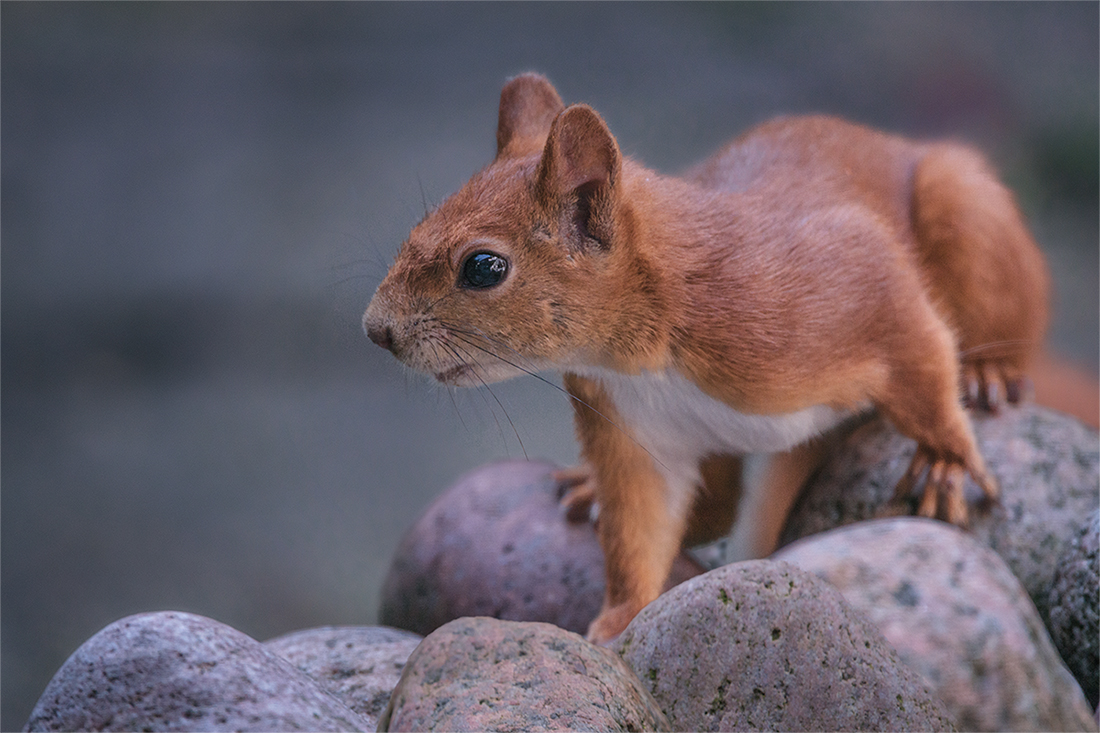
(483, 270)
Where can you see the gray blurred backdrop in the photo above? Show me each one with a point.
(199, 199)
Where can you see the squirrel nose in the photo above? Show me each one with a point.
(381, 335)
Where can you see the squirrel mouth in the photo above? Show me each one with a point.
(454, 375)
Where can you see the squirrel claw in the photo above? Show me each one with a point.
(972, 390)
(989, 386)
(942, 494)
(994, 382)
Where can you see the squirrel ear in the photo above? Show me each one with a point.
(580, 165)
(528, 104)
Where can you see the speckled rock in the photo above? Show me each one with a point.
(956, 614)
(359, 665)
(1074, 596)
(1048, 466)
(177, 672)
(764, 645)
(497, 544)
(486, 674)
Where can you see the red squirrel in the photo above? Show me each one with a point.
(810, 270)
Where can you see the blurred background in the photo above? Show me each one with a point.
(198, 201)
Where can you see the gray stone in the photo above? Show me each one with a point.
(957, 615)
(764, 645)
(497, 543)
(1047, 464)
(486, 674)
(359, 665)
(176, 672)
(1074, 596)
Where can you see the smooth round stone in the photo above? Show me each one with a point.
(359, 665)
(1047, 465)
(478, 674)
(1074, 597)
(956, 614)
(497, 543)
(764, 645)
(172, 671)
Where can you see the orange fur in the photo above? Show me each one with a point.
(810, 269)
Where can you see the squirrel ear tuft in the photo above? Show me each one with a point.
(528, 105)
(581, 164)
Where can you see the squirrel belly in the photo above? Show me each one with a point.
(681, 427)
(679, 424)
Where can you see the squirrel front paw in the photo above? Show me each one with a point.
(611, 622)
(577, 493)
(941, 480)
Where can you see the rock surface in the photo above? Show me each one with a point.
(177, 672)
(359, 665)
(497, 544)
(486, 674)
(956, 614)
(764, 645)
(1074, 596)
(1047, 464)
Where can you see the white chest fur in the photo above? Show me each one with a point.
(679, 424)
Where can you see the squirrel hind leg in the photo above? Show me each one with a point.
(981, 268)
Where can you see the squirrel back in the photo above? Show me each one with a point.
(622, 267)
(985, 275)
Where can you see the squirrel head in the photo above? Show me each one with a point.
(516, 272)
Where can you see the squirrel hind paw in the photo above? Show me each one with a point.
(989, 386)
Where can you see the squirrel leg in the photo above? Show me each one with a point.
(642, 518)
(640, 532)
(983, 270)
(921, 400)
(769, 496)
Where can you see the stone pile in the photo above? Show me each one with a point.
(859, 621)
